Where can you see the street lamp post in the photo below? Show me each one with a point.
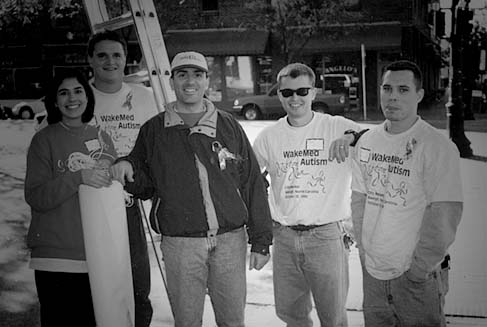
(455, 106)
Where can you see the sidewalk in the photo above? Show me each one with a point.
(468, 277)
(260, 309)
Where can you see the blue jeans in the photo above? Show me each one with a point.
(192, 266)
(310, 263)
(402, 302)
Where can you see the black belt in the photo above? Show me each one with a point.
(303, 228)
(205, 234)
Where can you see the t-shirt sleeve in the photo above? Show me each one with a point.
(442, 177)
(259, 148)
(358, 181)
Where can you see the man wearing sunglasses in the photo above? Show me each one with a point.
(310, 200)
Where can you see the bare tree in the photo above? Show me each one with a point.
(295, 22)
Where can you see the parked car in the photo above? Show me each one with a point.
(4, 112)
(260, 106)
(28, 109)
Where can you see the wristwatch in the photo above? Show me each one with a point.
(356, 135)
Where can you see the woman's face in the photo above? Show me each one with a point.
(71, 100)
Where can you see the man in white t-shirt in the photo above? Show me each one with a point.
(120, 110)
(310, 199)
(406, 206)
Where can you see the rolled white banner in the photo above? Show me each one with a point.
(107, 254)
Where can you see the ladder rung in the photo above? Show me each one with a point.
(115, 23)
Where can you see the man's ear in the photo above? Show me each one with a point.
(313, 94)
(171, 82)
(420, 95)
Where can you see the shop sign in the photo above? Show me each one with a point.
(341, 69)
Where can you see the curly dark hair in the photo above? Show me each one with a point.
(54, 115)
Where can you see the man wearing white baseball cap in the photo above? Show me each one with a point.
(199, 166)
(189, 59)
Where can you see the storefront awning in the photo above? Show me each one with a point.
(217, 42)
(374, 37)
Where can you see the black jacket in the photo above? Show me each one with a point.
(164, 162)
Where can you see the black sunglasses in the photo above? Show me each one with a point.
(302, 92)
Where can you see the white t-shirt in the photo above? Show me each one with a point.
(306, 188)
(121, 114)
(401, 174)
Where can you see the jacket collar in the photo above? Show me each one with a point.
(206, 125)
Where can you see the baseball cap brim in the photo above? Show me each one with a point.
(190, 66)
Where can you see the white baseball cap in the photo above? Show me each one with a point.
(189, 59)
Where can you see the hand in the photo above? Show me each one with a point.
(257, 260)
(122, 170)
(95, 177)
(339, 149)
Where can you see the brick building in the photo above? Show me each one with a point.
(244, 57)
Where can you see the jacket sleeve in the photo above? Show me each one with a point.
(44, 190)
(142, 187)
(253, 191)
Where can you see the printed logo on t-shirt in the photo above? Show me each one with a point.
(387, 175)
(304, 169)
(122, 128)
(97, 157)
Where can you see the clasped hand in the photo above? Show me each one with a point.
(96, 177)
(122, 171)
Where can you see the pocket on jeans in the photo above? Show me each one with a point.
(328, 232)
(415, 280)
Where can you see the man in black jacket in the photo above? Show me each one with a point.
(199, 165)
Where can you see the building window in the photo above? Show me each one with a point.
(209, 5)
(215, 91)
(230, 77)
(238, 76)
(265, 79)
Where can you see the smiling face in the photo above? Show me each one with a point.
(71, 99)
(108, 64)
(399, 98)
(189, 85)
(297, 107)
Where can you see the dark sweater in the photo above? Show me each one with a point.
(54, 161)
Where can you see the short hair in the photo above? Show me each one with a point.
(294, 70)
(406, 65)
(54, 114)
(105, 36)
